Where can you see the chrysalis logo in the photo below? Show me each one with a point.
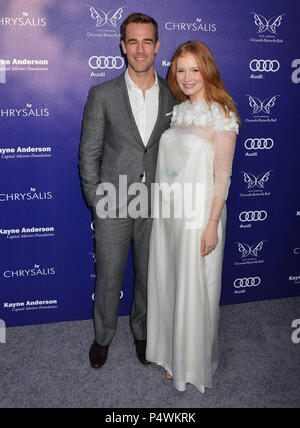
(110, 18)
(259, 105)
(256, 181)
(22, 21)
(267, 25)
(26, 112)
(197, 25)
(2, 332)
(32, 195)
(36, 271)
(248, 250)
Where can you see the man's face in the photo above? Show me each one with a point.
(140, 47)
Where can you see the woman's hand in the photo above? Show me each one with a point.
(209, 239)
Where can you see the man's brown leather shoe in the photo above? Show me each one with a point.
(140, 346)
(98, 355)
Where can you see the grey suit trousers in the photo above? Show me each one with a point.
(112, 242)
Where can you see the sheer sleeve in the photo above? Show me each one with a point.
(224, 147)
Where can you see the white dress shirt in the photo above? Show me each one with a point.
(144, 109)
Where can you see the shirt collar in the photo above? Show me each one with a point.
(131, 84)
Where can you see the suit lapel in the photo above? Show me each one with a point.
(128, 111)
(161, 110)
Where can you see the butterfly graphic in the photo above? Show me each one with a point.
(111, 18)
(264, 24)
(253, 181)
(246, 250)
(263, 106)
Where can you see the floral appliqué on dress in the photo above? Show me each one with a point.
(201, 113)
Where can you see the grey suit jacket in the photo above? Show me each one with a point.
(110, 141)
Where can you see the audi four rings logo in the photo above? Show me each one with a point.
(253, 216)
(247, 282)
(265, 65)
(106, 62)
(259, 143)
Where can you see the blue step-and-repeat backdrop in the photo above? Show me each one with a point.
(51, 53)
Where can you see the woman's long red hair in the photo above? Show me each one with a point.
(214, 88)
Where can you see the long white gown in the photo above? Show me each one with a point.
(184, 287)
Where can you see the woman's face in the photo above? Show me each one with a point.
(189, 78)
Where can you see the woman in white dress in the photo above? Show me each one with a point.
(187, 243)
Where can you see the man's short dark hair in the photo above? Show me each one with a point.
(139, 18)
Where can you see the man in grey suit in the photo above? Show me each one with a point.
(122, 125)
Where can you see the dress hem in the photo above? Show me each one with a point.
(181, 385)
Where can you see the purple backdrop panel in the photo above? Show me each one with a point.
(51, 53)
